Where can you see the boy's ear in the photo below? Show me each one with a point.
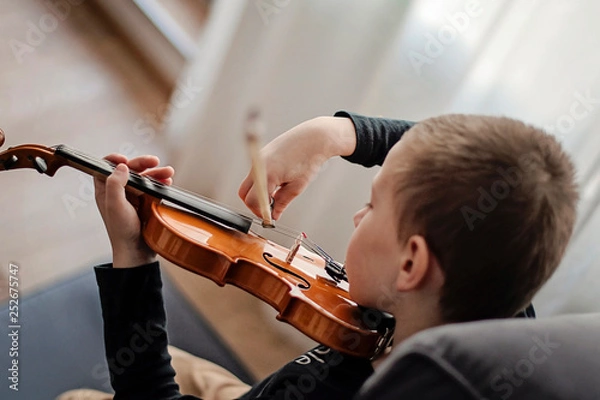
(415, 264)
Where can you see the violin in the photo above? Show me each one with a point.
(306, 286)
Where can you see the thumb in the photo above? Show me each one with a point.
(248, 193)
(115, 189)
(284, 196)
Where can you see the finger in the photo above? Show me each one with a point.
(160, 173)
(284, 196)
(251, 201)
(142, 163)
(116, 158)
(245, 187)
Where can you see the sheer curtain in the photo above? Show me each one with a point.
(529, 59)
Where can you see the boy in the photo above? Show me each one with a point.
(468, 217)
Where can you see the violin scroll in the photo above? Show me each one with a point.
(34, 156)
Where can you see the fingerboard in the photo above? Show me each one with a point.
(154, 188)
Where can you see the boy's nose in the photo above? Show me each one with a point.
(359, 216)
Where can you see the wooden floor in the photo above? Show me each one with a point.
(76, 82)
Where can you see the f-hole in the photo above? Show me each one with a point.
(304, 285)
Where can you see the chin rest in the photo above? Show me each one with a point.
(516, 359)
(61, 343)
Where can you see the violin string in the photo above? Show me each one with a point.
(280, 229)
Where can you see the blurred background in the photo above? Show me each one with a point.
(176, 77)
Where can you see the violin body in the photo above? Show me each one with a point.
(303, 294)
(181, 230)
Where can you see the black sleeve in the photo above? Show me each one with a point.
(135, 333)
(374, 137)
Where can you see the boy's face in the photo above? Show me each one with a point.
(374, 252)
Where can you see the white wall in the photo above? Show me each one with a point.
(528, 59)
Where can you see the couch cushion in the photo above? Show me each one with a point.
(548, 358)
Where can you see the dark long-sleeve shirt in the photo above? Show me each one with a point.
(374, 137)
(135, 321)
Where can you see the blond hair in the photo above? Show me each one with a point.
(495, 200)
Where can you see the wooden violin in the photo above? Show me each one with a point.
(307, 288)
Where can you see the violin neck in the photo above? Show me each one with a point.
(102, 168)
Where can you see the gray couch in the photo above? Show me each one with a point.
(60, 342)
(548, 358)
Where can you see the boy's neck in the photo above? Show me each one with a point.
(410, 328)
(414, 318)
(405, 328)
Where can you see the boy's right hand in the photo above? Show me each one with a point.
(120, 217)
(294, 158)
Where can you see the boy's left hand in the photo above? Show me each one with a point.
(119, 215)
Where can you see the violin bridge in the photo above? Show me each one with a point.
(295, 247)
